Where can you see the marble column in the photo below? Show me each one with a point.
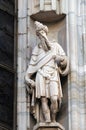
(21, 68)
(76, 79)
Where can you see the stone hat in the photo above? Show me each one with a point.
(39, 26)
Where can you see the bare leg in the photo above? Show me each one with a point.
(45, 109)
(54, 108)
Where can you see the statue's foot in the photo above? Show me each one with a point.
(53, 117)
(54, 121)
(48, 121)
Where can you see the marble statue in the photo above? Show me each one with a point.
(48, 61)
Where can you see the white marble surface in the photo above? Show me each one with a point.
(76, 50)
(51, 126)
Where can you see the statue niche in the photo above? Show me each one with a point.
(48, 61)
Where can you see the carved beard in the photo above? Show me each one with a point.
(45, 44)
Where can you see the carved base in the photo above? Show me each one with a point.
(48, 126)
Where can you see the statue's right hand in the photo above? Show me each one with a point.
(32, 83)
(29, 81)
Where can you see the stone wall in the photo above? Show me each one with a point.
(71, 34)
(77, 83)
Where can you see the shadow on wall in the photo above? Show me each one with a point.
(62, 115)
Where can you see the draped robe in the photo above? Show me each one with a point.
(39, 60)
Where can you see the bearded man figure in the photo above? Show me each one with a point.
(47, 62)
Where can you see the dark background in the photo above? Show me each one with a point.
(7, 72)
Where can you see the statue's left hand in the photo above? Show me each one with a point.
(63, 63)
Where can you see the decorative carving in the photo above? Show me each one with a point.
(48, 10)
(47, 62)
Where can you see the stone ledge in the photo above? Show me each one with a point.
(48, 126)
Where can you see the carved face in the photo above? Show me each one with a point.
(42, 34)
(44, 40)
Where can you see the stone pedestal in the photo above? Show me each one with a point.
(48, 126)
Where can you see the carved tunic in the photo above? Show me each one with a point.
(46, 77)
(46, 69)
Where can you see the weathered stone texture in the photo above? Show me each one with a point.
(71, 34)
